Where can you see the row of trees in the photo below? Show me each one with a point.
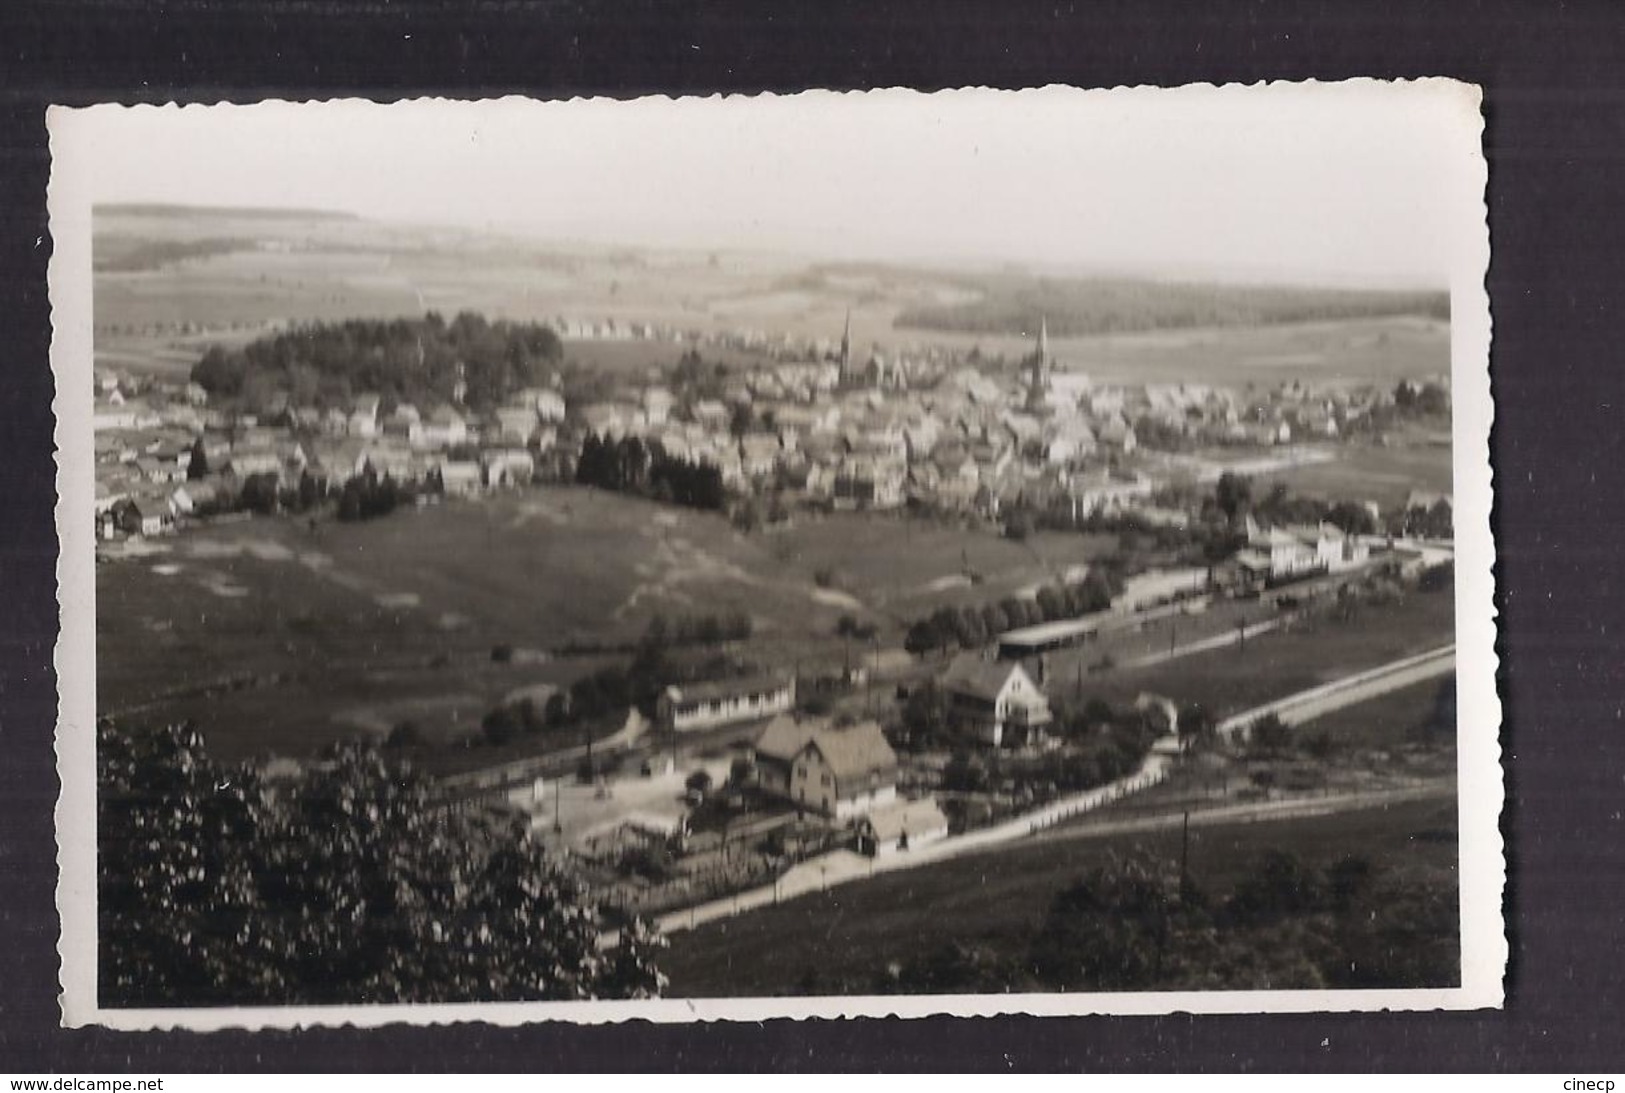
(348, 883)
(1133, 923)
(628, 465)
(1234, 500)
(613, 689)
(361, 498)
(425, 362)
(972, 627)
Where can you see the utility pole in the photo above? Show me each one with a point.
(1184, 856)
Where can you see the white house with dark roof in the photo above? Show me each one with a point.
(995, 699)
(840, 773)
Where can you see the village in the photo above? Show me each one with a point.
(738, 783)
(812, 425)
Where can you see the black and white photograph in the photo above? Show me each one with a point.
(781, 555)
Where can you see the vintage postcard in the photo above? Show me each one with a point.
(826, 554)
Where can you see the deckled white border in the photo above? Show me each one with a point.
(1483, 869)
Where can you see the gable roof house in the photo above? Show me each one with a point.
(460, 478)
(759, 453)
(142, 516)
(840, 773)
(507, 467)
(901, 825)
(517, 424)
(363, 420)
(994, 699)
(443, 428)
(401, 419)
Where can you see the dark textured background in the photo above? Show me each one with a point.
(1555, 98)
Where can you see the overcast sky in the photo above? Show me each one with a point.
(1343, 184)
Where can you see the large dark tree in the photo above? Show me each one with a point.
(348, 883)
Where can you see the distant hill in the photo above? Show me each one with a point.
(1011, 303)
(116, 253)
(221, 212)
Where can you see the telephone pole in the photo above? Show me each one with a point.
(1184, 856)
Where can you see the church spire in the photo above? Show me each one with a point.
(846, 347)
(1038, 368)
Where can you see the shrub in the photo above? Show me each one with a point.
(405, 734)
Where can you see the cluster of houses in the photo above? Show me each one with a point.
(816, 423)
(164, 455)
(1277, 555)
(879, 431)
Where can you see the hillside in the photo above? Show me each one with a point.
(219, 212)
(1009, 303)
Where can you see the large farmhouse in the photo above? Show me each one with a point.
(690, 706)
(838, 772)
(997, 700)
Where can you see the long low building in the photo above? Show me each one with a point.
(691, 706)
(1031, 640)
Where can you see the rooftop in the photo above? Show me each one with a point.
(970, 674)
(854, 750)
(727, 688)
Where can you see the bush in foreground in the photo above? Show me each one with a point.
(348, 883)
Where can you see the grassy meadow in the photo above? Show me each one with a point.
(843, 939)
(300, 633)
(1313, 650)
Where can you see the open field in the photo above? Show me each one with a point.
(1294, 658)
(1396, 718)
(906, 567)
(1366, 472)
(846, 937)
(303, 634)
(238, 270)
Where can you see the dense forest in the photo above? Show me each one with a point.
(1013, 304)
(419, 361)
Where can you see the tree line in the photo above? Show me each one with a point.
(613, 689)
(972, 627)
(425, 362)
(628, 465)
(363, 497)
(1135, 923)
(349, 882)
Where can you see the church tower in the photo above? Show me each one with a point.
(846, 351)
(1038, 368)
